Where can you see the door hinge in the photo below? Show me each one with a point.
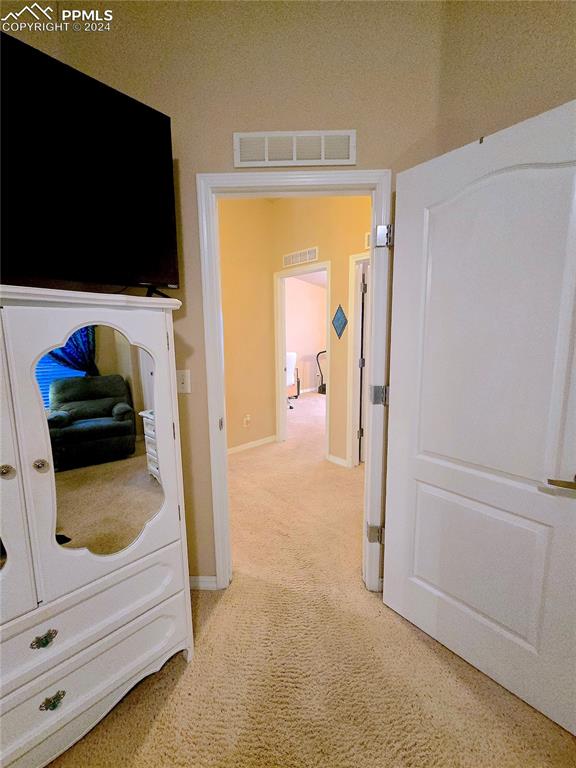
(174, 430)
(364, 285)
(362, 362)
(384, 236)
(375, 534)
(360, 433)
(179, 517)
(380, 395)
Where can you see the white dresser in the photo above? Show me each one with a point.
(94, 590)
(149, 422)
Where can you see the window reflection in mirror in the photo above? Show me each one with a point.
(98, 392)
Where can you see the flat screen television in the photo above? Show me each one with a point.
(87, 180)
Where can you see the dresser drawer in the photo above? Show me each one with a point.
(151, 447)
(33, 712)
(45, 637)
(153, 468)
(149, 428)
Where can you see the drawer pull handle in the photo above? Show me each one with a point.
(568, 484)
(43, 641)
(52, 702)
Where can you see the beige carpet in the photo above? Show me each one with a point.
(105, 507)
(297, 665)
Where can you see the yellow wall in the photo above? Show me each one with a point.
(415, 79)
(337, 225)
(254, 236)
(246, 265)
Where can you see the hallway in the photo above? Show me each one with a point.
(298, 666)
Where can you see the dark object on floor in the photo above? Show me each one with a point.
(91, 421)
(62, 539)
(321, 386)
(297, 395)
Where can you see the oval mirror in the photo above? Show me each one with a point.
(98, 394)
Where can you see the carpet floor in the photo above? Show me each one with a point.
(298, 666)
(104, 507)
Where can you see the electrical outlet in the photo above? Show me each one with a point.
(246, 420)
(183, 385)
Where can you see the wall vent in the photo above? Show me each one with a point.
(281, 148)
(300, 257)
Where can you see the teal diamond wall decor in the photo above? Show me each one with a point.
(339, 321)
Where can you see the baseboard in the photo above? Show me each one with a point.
(204, 582)
(338, 460)
(379, 588)
(253, 444)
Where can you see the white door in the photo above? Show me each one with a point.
(480, 549)
(17, 590)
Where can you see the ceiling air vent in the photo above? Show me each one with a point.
(281, 148)
(300, 257)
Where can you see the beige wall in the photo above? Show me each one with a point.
(414, 79)
(306, 320)
(254, 236)
(115, 354)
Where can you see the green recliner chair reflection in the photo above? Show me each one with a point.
(91, 421)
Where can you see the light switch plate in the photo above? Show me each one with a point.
(183, 385)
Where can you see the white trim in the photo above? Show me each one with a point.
(214, 352)
(280, 342)
(269, 184)
(204, 582)
(18, 294)
(353, 394)
(253, 444)
(377, 373)
(338, 460)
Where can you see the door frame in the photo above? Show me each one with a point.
(355, 330)
(211, 186)
(280, 344)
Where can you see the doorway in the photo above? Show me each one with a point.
(302, 346)
(211, 187)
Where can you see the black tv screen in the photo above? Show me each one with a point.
(87, 180)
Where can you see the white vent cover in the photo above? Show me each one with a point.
(300, 257)
(279, 148)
